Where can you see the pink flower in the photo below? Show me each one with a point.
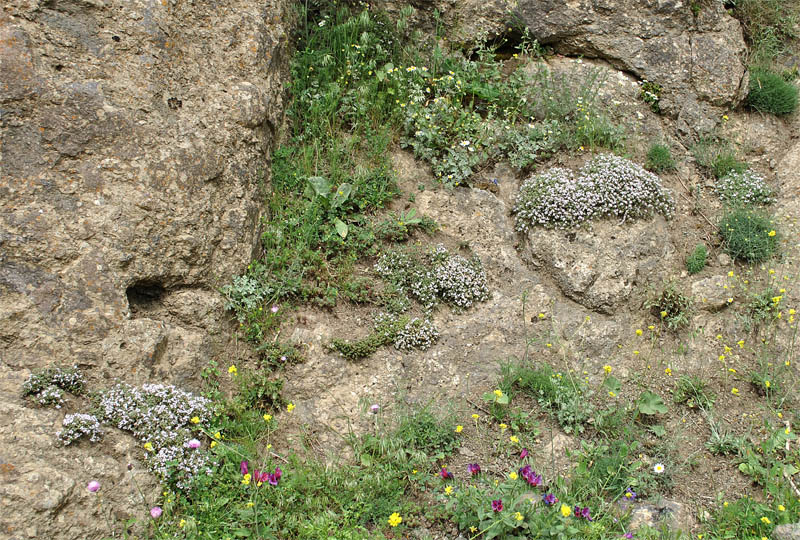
(155, 512)
(93, 486)
(274, 309)
(523, 454)
(243, 467)
(375, 408)
(194, 444)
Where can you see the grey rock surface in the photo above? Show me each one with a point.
(787, 531)
(134, 138)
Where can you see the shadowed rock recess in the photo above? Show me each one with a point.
(134, 142)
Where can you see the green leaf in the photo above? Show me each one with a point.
(241, 533)
(321, 186)
(612, 384)
(341, 194)
(658, 431)
(650, 403)
(503, 400)
(341, 227)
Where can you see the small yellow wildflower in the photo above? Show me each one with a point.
(565, 510)
(787, 431)
(735, 391)
(195, 420)
(772, 233)
(740, 343)
(635, 353)
(668, 371)
(607, 368)
(246, 479)
(213, 444)
(459, 429)
(542, 315)
(765, 520)
(182, 523)
(267, 417)
(722, 358)
(612, 394)
(448, 490)
(638, 331)
(725, 504)
(251, 504)
(290, 407)
(217, 435)
(730, 274)
(148, 446)
(232, 370)
(475, 416)
(767, 384)
(514, 439)
(781, 508)
(518, 516)
(651, 327)
(513, 476)
(663, 314)
(498, 393)
(395, 519)
(503, 427)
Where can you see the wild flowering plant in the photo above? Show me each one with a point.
(47, 386)
(164, 419)
(746, 188)
(606, 186)
(77, 426)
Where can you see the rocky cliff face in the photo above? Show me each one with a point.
(134, 141)
(696, 56)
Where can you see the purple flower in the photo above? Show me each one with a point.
(445, 474)
(93, 486)
(497, 505)
(530, 476)
(274, 477)
(375, 408)
(630, 495)
(549, 499)
(194, 444)
(283, 358)
(243, 467)
(582, 513)
(628, 535)
(474, 469)
(155, 512)
(523, 454)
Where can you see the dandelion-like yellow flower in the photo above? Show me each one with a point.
(772, 233)
(213, 444)
(498, 393)
(740, 343)
(730, 274)
(459, 429)
(668, 371)
(267, 417)
(182, 523)
(542, 315)
(566, 511)
(767, 384)
(395, 519)
(217, 435)
(251, 503)
(514, 439)
(735, 391)
(246, 479)
(607, 368)
(448, 490)
(290, 407)
(663, 314)
(639, 332)
(781, 508)
(503, 427)
(765, 520)
(475, 416)
(148, 446)
(518, 516)
(232, 370)
(513, 476)
(787, 430)
(195, 420)
(611, 393)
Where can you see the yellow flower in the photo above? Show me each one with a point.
(730, 274)
(612, 394)
(771, 233)
(725, 504)
(542, 315)
(475, 416)
(721, 357)
(514, 439)
(213, 444)
(663, 314)
(246, 479)
(395, 519)
(607, 368)
(635, 353)
(182, 523)
(459, 429)
(217, 435)
(765, 520)
(781, 508)
(668, 371)
(518, 516)
(651, 327)
(473, 529)
(767, 384)
(725, 117)
(195, 420)
(740, 343)
(232, 370)
(792, 312)
(448, 490)
(787, 431)
(503, 427)
(513, 476)
(549, 345)
(735, 391)
(250, 504)
(290, 407)
(565, 510)
(498, 393)
(267, 417)
(638, 331)
(148, 446)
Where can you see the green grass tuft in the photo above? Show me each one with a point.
(770, 93)
(696, 260)
(748, 235)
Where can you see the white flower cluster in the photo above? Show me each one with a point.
(417, 334)
(47, 385)
(607, 186)
(160, 416)
(80, 425)
(744, 188)
(460, 282)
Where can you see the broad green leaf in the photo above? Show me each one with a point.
(321, 186)
(650, 403)
(658, 431)
(612, 384)
(341, 194)
(341, 227)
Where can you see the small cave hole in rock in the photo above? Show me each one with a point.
(115, 38)
(144, 296)
(58, 67)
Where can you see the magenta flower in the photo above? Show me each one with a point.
(274, 477)
(549, 499)
(156, 512)
(474, 469)
(582, 513)
(497, 505)
(93, 486)
(445, 474)
(628, 535)
(375, 408)
(530, 476)
(523, 454)
(194, 444)
(243, 467)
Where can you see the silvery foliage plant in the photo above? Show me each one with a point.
(606, 186)
(745, 188)
(160, 417)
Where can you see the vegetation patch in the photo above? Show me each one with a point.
(770, 93)
(696, 260)
(748, 235)
(745, 188)
(659, 158)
